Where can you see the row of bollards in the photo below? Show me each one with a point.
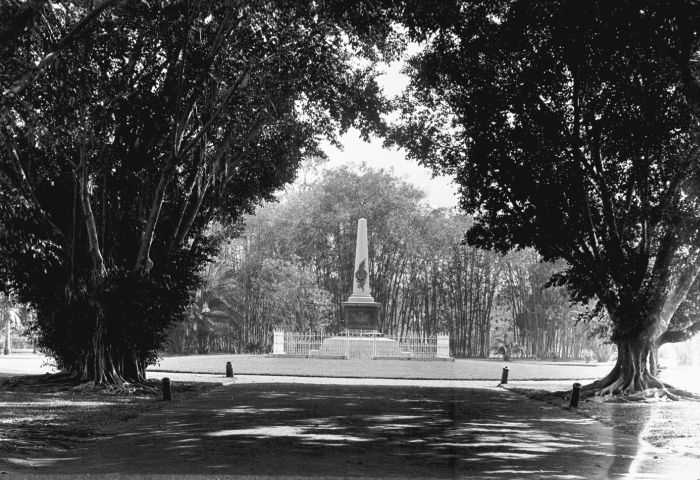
(575, 394)
(167, 392)
(167, 395)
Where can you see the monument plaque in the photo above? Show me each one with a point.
(361, 317)
(361, 312)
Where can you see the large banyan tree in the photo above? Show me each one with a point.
(573, 127)
(127, 127)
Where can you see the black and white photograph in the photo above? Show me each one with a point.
(286, 239)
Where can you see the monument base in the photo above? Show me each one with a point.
(361, 315)
(361, 347)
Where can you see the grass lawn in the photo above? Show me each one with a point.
(460, 369)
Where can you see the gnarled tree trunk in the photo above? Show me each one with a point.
(104, 364)
(636, 369)
(108, 365)
(632, 372)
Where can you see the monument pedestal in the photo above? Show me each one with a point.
(352, 346)
(361, 315)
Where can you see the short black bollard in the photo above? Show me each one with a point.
(166, 389)
(229, 370)
(574, 395)
(504, 375)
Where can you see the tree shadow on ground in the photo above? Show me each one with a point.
(54, 412)
(287, 429)
(46, 410)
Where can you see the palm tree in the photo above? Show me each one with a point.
(507, 348)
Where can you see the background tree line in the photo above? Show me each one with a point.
(541, 321)
(291, 268)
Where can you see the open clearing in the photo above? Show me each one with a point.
(555, 375)
(460, 369)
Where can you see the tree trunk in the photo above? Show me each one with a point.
(104, 364)
(108, 366)
(8, 326)
(654, 360)
(632, 373)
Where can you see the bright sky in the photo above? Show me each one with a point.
(440, 191)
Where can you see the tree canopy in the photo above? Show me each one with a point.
(572, 127)
(126, 129)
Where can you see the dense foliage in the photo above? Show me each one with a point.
(246, 295)
(125, 130)
(572, 128)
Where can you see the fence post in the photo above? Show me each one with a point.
(278, 342)
(443, 346)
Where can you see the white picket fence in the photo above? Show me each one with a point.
(359, 345)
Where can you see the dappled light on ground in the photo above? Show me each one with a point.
(289, 431)
(279, 429)
(672, 427)
(39, 462)
(51, 423)
(53, 414)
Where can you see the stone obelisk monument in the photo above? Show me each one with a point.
(361, 312)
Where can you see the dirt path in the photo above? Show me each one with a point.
(336, 430)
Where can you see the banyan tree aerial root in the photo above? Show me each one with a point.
(641, 388)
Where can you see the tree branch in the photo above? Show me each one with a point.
(677, 336)
(691, 85)
(17, 23)
(183, 230)
(90, 225)
(213, 50)
(31, 76)
(192, 181)
(28, 190)
(242, 78)
(143, 262)
(678, 293)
